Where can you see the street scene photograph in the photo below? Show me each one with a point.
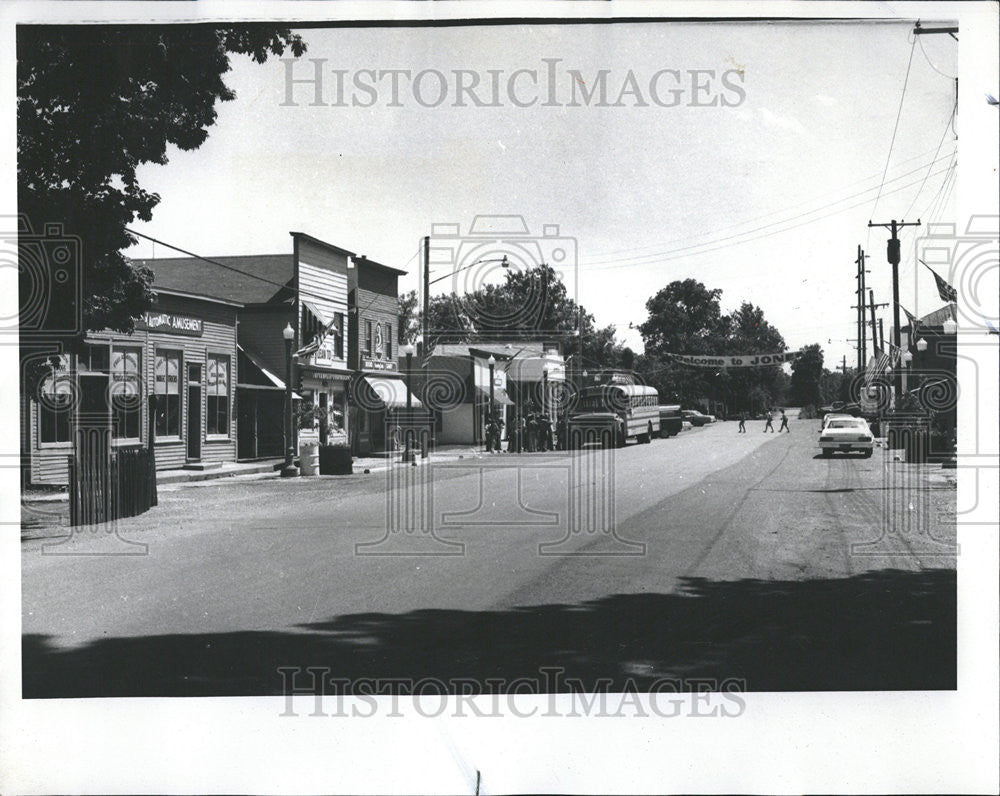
(631, 362)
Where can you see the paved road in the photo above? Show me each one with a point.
(721, 555)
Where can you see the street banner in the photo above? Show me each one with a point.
(735, 361)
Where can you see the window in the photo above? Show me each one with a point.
(388, 341)
(368, 338)
(126, 392)
(55, 401)
(338, 334)
(94, 359)
(168, 393)
(217, 390)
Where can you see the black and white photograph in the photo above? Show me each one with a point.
(500, 398)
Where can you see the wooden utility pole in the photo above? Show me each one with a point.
(872, 306)
(425, 315)
(862, 338)
(893, 256)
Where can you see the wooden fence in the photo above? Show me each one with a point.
(108, 483)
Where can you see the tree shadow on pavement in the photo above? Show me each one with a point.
(882, 630)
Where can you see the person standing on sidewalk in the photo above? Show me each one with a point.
(770, 422)
(784, 423)
(743, 423)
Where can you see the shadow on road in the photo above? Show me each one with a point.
(881, 630)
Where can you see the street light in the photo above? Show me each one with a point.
(921, 345)
(907, 358)
(492, 362)
(949, 326)
(289, 470)
(408, 351)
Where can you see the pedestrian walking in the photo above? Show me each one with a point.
(743, 423)
(770, 422)
(784, 423)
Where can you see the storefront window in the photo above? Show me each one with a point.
(218, 395)
(388, 341)
(55, 405)
(368, 338)
(168, 394)
(126, 392)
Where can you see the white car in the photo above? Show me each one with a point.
(832, 416)
(847, 434)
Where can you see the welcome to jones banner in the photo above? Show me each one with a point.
(740, 361)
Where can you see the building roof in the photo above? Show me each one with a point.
(939, 316)
(248, 279)
(360, 259)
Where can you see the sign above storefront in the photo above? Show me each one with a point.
(167, 322)
(378, 364)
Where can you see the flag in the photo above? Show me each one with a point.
(914, 323)
(945, 291)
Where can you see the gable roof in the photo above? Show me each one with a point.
(247, 279)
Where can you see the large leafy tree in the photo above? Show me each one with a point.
(685, 317)
(807, 377)
(95, 102)
(532, 304)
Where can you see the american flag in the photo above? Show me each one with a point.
(945, 291)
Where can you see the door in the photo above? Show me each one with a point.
(194, 413)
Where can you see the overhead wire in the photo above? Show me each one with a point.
(895, 128)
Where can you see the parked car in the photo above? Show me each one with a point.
(832, 416)
(696, 418)
(846, 434)
(671, 420)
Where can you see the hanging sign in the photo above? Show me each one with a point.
(740, 361)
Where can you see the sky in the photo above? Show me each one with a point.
(765, 193)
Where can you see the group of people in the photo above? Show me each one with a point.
(768, 422)
(531, 432)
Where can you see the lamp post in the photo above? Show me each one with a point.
(408, 351)
(289, 470)
(492, 362)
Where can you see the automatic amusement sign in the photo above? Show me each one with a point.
(739, 361)
(167, 322)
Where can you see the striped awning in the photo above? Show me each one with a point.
(390, 391)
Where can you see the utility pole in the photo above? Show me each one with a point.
(862, 338)
(881, 335)
(425, 319)
(953, 32)
(893, 255)
(871, 306)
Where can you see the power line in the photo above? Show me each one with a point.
(752, 219)
(926, 58)
(899, 112)
(924, 181)
(654, 256)
(683, 251)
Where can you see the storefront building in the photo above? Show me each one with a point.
(379, 387)
(182, 354)
(524, 373)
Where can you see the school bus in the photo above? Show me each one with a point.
(612, 414)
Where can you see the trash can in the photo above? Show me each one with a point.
(335, 460)
(309, 458)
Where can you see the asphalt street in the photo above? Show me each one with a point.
(711, 556)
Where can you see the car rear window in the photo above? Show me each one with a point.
(845, 424)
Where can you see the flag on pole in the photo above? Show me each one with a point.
(914, 323)
(945, 291)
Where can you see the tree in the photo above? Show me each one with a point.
(408, 327)
(95, 102)
(807, 375)
(532, 304)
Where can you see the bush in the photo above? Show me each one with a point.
(335, 460)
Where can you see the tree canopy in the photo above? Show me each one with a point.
(531, 304)
(807, 377)
(685, 317)
(94, 102)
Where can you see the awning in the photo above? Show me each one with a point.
(390, 390)
(266, 375)
(317, 313)
(500, 396)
